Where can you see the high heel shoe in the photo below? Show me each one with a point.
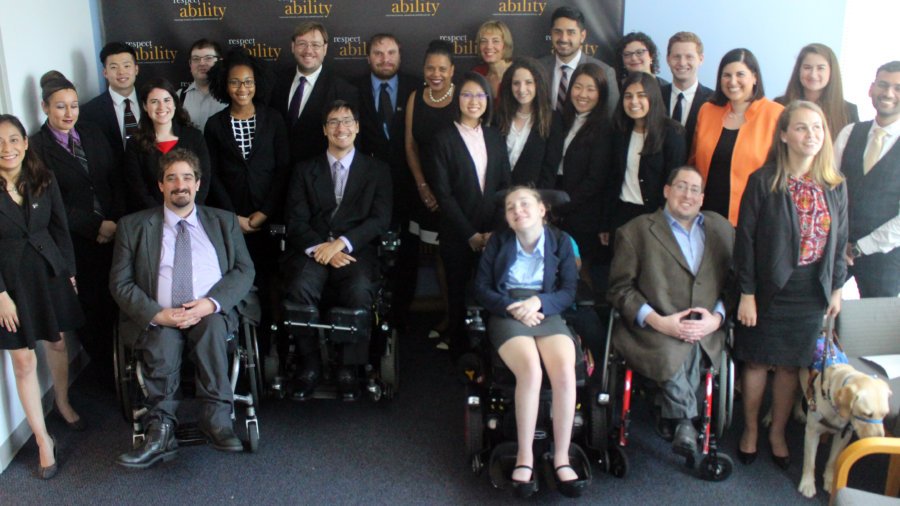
(78, 425)
(746, 458)
(782, 462)
(523, 489)
(45, 473)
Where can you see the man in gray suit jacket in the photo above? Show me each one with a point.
(668, 278)
(178, 273)
(568, 34)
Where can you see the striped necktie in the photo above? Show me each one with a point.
(563, 87)
(131, 124)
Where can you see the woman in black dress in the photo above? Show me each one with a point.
(796, 199)
(164, 126)
(250, 157)
(527, 122)
(37, 283)
(91, 187)
(470, 166)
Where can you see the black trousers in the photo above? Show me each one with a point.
(92, 260)
(161, 351)
(877, 275)
(459, 266)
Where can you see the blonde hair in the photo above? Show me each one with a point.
(505, 34)
(822, 170)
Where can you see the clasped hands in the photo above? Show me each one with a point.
(187, 315)
(252, 223)
(678, 325)
(527, 311)
(478, 241)
(332, 253)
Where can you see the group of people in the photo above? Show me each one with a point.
(673, 190)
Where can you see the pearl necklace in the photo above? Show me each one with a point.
(436, 100)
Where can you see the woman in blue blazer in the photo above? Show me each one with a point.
(527, 277)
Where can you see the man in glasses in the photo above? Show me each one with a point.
(195, 97)
(338, 205)
(668, 280)
(302, 91)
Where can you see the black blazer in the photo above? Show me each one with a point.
(45, 230)
(701, 97)
(257, 183)
(560, 272)
(141, 183)
(465, 209)
(306, 135)
(371, 139)
(537, 163)
(767, 245)
(653, 171)
(102, 113)
(312, 215)
(79, 188)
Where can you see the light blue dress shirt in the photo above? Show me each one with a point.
(392, 91)
(527, 271)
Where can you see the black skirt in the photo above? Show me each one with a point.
(786, 334)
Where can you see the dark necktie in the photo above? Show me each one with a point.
(294, 107)
(563, 88)
(385, 109)
(131, 124)
(676, 113)
(182, 267)
(78, 153)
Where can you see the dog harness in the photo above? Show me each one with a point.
(834, 409)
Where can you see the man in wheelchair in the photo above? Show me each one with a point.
(338, 205)
(178, 272)
(668, 277)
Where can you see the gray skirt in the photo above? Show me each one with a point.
(502, 329)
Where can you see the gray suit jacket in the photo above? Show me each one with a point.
(135, 266)
(548, 62)
(648, 267)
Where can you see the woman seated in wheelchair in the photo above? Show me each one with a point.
(526, 278)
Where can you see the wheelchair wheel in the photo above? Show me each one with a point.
(724, 408)
(390, 365)
(253, 436)
(254, 375)
(598, 435)
(124, 378)
(618, 461)
(474, 436)
(716, 468)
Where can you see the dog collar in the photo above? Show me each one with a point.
(868, 420)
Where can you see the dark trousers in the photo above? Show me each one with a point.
(877, 275)
(459, 267)
(354, 287)
(92, 260)
(161, 350)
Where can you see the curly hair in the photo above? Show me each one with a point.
(237, 56)
(643, 38)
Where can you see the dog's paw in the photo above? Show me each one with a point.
(807, 487)
(827, 480)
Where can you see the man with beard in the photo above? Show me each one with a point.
(178, 273)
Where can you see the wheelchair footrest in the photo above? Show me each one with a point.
(299, 315)
(350, 325)
(189, 435)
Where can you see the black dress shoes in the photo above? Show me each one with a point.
(746, 458)
(159, 444)
(569, 488)
(685, 439)
(348, 384)
(782, 462)
(78, 425)
(45, 473)
(222, 438)
(524, 489)
(306, 384)
(664, 427)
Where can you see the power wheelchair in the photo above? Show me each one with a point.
(337, 326)
(610, 407)
(245, 375)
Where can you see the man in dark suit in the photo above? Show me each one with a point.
(302, 92)
(178, 274)
(669, 274)
(869, 156)
(568, 34)
(383, 93)
(338, 204)
(685, 95)
(117, 110)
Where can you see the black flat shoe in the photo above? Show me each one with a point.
(782, 462)
(45, 473)
(569, 488)
(746, 458)
(523, 489)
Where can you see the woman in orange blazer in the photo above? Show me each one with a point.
(734, 132)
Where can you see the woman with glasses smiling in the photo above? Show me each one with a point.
(636, 52)
(470, 166)
(164, 126)
(250, 157)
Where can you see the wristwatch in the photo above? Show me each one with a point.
(855, 252)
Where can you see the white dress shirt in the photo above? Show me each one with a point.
(515, 141)
(555, 85)
(119, 106)
(307, 89)
(631, 185)
(686, 103)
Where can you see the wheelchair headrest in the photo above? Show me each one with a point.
(552, 198)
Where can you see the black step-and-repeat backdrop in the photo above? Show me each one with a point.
(161, 31)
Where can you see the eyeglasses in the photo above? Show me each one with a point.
(303, 45)
(333, 123)
(248, 83)
(205, 59)
(637, 52)
(469, 96)
(682, 187)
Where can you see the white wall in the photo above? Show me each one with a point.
(36, 36)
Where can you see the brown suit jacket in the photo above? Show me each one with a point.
(648, 267)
